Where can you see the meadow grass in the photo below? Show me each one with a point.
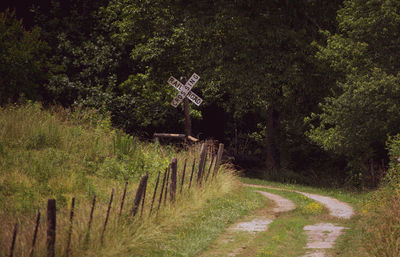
(55, 153)
(376, 229)
(59, 153)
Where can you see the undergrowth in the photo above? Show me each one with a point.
(55, 153)
(59, 153)
(380, 215)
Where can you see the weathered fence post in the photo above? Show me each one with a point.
(107, 216)
(183, 175)
(191, 174)
(155, 192)
(35, 235)
(14, 238)
(91, 213)
(174, 168)
(123, 200)
(218, 160)
(139, 194)
(143, 199)
(209, 168)
(201, 163)
(203, 174)
(162, 190)
(87, 238)
(166, 185)
(71, 217)
(51, 227)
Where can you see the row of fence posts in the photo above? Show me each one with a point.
(170, 175)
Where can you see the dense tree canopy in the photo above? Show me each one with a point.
(300, 83)
(23, 64)
(364, 110)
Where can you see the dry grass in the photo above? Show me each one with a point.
(62, 154)
(140, 235)
(381, 224)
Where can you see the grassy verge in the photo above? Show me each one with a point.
(376, 230)
(63, 154)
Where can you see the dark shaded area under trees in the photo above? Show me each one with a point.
(304, 86)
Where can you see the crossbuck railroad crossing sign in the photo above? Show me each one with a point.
(185, 90)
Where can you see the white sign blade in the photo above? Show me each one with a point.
(191, 96)
(194, 98)
(184, 90)
(175, 83)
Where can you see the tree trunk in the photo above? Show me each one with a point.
(271, 140)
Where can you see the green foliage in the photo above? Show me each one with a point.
(23, 65)
(248, 67)
(356, 123)
(392, 178)
(362, 112)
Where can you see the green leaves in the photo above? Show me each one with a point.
(364, 108)
(23, 64)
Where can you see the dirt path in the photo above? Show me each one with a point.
(336, 208)
(282, 204)
(244, 232)
(322, 236)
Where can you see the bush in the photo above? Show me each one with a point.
(393, 175)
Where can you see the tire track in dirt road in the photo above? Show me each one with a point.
(321, 236)
(257, 223)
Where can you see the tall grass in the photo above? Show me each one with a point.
(60, 154)
(376, 231)
(381, 213)
(56, 153)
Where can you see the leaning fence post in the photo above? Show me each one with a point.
(201, 163)
(107, 216)
(209, 168)
(123, 199)
(191, 174)
(166, 185)
(162, 190)
(203, 173)
(71, 216)
(183, 175)
(35, 235)
(51, 227)
(91, 213)
(14, 238)
(174, 168)
(87, 238)
(218, 160)
(155, 192)
(139, 194)
(143, 199)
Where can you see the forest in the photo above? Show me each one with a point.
(305, 88)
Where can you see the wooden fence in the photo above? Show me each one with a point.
(167, 185)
